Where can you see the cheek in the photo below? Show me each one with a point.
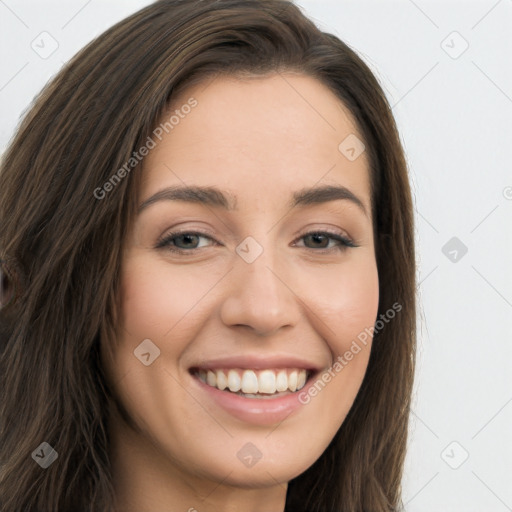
(157, 301)
(345, 302)
(343, 310)
(161, 302)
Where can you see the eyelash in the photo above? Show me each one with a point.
(166, 241)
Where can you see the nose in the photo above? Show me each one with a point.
(260, 298)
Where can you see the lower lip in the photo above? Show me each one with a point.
(258, 411)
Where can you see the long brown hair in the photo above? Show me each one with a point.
(61, 247)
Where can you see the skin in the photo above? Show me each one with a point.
(260, 139)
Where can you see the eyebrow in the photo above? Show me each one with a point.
(212, 196)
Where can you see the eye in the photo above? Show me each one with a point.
(186, 242)
(319, 239)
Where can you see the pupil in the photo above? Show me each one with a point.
(317, 238)
(188, 238)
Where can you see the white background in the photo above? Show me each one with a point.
(454, 112)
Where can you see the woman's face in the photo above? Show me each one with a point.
(257, 277)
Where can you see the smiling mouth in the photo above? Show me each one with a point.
(254, 383)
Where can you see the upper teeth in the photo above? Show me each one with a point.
(252, 381)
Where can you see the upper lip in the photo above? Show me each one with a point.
(257, 362)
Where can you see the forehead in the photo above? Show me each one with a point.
(257, 137)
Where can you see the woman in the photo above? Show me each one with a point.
(208, 273)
